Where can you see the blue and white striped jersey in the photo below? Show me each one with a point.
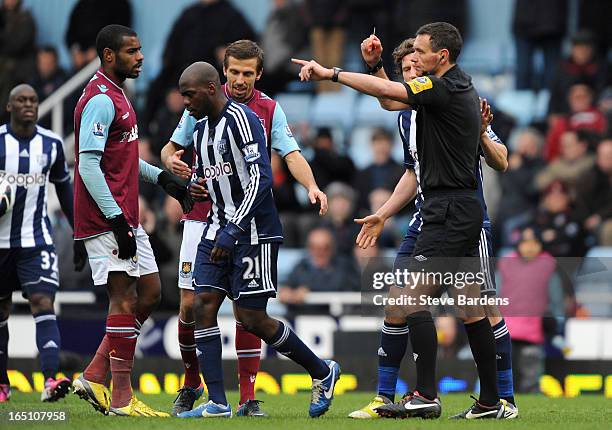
(407, 128)
(30, 164)
(233, 159)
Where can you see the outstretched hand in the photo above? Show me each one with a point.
(371, 229)
(312, 71)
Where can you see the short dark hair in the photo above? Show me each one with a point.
(443, 36)
(244, 49)
(111, 37)
(381, 134)
(49, 49)
(403, 49)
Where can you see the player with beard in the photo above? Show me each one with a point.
(107, 170)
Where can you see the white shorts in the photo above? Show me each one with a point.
(102, 254)
(192, 233)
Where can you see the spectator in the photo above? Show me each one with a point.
(327, 34)
(17, 52)
(49, 75)
(339, 220)
(86, 20)
(575, 159)
(533, 33)
(519, 194)
(285, 36)
(48, 78)
(581, 66)
(200, 33)
(327, 165)
(323, 270)
(525, 279)
(562, 234)
(594, 196)
(583, 115)
(384, 172)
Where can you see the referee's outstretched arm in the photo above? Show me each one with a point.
(366, 84)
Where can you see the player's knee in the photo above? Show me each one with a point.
(41, 303)
(124, 301)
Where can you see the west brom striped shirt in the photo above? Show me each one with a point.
(29, 164)
(407, 128)
(233, 159)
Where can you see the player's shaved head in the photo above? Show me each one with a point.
(23, 108)
(20, 89)
(200, 73)
(200, 87)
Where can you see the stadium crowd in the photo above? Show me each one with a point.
(556, 195)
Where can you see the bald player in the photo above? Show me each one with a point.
(238, 251)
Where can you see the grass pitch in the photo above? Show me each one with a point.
(291, 412)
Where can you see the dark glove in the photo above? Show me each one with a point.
(124, 235)
(80, 255)
(177, 188)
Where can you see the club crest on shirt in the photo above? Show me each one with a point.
(251, 152)
(222, 146)
(98, 130)
(42, 159)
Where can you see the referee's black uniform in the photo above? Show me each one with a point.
(447, 139)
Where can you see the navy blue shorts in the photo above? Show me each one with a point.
(248, 276)
(31, 270)
(485, 252)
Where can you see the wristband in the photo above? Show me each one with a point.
(375, 68)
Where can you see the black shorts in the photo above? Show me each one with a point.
(449, 237)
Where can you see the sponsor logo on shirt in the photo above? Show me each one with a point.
(98, 130)
(24, 180)
(130, 136)
(251, 152)
(218, 170)
(288, 130)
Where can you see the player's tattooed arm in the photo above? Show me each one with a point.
(495, 152)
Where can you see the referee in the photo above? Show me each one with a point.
(447, 140)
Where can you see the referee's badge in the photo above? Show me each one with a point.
(420, 84)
